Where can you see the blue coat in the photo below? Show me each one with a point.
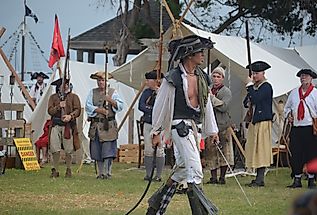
(261, 99)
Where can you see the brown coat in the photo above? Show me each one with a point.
(72, 108)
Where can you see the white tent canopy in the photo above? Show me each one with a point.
(308, 53)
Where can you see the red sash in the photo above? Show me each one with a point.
(301, 109)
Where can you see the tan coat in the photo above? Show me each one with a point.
(72, 108)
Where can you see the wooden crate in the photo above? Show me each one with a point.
(129, 147)
(129, 153)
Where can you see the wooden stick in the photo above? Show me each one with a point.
(186, 10)
(237, 141)
(17, 78)
(169, 11)
(131, 106)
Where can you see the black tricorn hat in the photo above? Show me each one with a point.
(181, 48)
(59, 82)
(259, 66)
(36, 74)
(308, 72)
(152, 75)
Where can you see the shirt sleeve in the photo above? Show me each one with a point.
(226, 101)
(116, 97)
(288, 105)
(32, 91)
(90, 108)
(77, 107)
(162, 106)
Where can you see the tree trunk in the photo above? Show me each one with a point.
(125, 34)
(149, 20)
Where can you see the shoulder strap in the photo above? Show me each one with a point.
(308, 109)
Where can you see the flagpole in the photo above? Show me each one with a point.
(23, 45)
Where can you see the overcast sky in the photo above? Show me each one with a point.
(78, 15)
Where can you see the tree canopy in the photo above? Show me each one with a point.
(285, 17)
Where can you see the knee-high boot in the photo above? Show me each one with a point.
(159, 201)
(194, 202)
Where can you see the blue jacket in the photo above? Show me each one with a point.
(146, 106)
(262, 99)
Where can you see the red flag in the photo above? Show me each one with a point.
(57, 49)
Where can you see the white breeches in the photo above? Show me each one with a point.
(187, 157)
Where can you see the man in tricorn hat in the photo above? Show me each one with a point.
(258, 147)
(63, 107)
(103, 132)
(146, 104)
(181, 104)
(37, 89)
(300, 108)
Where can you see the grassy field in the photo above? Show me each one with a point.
(24, 192)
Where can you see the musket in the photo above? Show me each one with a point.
(66, 73)
(105, 104)
(159, 70)
(208, 60)
(249, 113)
(248, 46)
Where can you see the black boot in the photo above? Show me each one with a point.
(157, 198)
(311, 183)
(194, 202)
(297, 183)
(255, 183)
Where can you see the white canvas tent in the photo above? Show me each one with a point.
(232, 53)
(308, 53)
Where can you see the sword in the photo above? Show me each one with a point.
(223, 156)
(148, 185)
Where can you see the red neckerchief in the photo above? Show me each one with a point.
(215, 90)
(301, 109)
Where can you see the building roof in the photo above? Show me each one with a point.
(107, 33)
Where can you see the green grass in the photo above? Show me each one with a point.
(34, 192)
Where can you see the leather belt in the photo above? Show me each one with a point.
(189, 126)
(102, 120)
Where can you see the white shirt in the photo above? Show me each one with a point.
(163, 111)
(37, 93)
(292, 106)
(90, 108)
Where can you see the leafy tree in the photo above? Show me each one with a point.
(285, 17)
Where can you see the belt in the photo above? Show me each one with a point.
(189, 126)
(102, 120)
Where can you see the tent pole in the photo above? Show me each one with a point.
(131, 106)
(17, 78)
(237, 141)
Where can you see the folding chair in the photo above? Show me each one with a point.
(283, 145)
